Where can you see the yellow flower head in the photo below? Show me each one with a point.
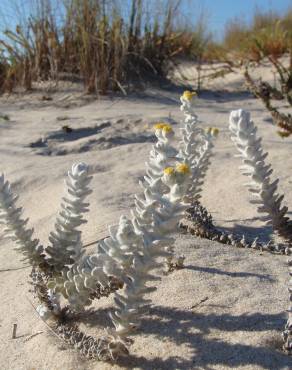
(183, 168)
(159, 126)
(212, 130)
(188, 95)
(215, 131)
(168, 171)
(165, 127)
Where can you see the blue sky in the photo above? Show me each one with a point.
(217, 12)
(220, 11)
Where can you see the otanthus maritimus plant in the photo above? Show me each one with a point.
(61, 263)
(136, 246)
(66, 247)
(192, 135)
(130, 254)
(196, 145)
(126, 258)
(250, 149)
(149, 241)
(249, 146)
(196, 150)
(162, 155)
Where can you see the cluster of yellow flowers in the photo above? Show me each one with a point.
(188, 95)
(181, 168)
(212, 130)
(165, 127)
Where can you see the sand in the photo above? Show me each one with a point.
(225, 309)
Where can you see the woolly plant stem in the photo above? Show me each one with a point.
(196, 145)
(135, 244)
(199, 168)
(192, 135)
(162, 155)
(249, 146)
(166, 213)
(66, 247)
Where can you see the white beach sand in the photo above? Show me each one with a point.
(238, 325)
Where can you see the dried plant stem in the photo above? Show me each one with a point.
(284, 121)
(199, 223)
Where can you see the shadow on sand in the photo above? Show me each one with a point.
(191, 329)
(178, 327)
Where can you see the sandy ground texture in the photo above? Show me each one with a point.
(225, 309)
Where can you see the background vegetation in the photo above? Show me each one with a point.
(105, 43)
(114, 44)
(269, 34)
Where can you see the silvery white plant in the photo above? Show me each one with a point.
(196, 145)
(66, 242)
(130, 254)
(162, 155)
(103, 272)
(268, 201)
(126, 258)
(192, 134)
(200, 164)
(66, 246)
(244, 135)
(149, 241)
(71, 273)
(114, 256)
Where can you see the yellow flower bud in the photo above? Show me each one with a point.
(215, 131)
(167, 128)
(188, 95)
(159, 126)
(168, 171)
(183, 168)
